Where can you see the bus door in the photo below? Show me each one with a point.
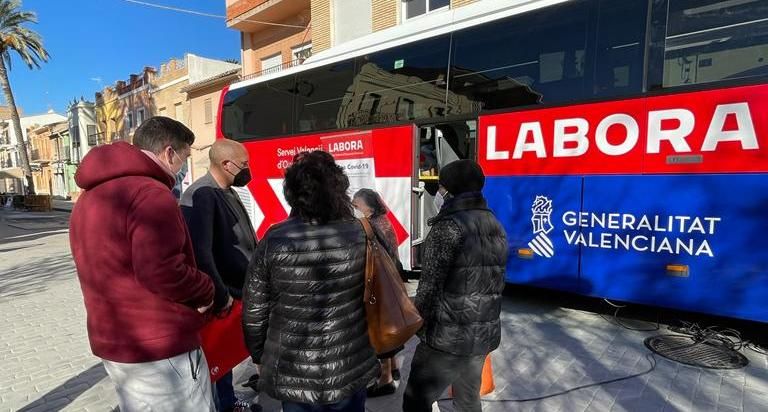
(436, 146)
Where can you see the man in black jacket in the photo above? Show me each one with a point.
(222, 235)
(459, 294)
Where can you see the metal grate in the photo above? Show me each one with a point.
(709, 354)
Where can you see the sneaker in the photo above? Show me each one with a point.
(381, 390)
(253, 383)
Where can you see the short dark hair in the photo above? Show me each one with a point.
(316, 188)
(373, 200)
(158, 132)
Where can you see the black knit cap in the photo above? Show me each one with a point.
(462, 176)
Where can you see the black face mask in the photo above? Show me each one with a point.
(242, 177)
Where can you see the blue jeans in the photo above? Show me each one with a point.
(225, 393)
(354, 404)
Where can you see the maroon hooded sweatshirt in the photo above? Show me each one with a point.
(135, 259)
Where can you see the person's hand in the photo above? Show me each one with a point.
(205, 308)
(228, 306)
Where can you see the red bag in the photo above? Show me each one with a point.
(224, 343)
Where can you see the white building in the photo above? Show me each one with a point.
(83, 131)
(11, 175)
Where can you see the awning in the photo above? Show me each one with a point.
(12, 173)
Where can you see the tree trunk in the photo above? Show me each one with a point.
(21, 145)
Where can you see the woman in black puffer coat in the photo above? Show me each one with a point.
(303, 311)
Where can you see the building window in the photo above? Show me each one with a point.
(129, 121)
(75, 134)
(272, 64)
(139, 117)
(414, 8)
(179, 112)
(208, 106)
(302, 52)
(93, 135)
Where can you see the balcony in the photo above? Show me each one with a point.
(63, 155)
(273, 69)
(239, 12)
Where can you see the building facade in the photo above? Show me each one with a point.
(61, 160)
(274, 34)
(40, 157)
(83, 129)
(170, 99)
(11, 175)
(134, 98)
(204, 98)
(335, 22)
(84, 135)
(167, 87)
(110, 116)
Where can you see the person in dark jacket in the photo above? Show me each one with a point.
(369, 204)
(144, 295)
(459, 294)
(303, 312)
(223, 237)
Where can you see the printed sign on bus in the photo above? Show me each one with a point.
(717, 131)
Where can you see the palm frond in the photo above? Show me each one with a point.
(14, 37)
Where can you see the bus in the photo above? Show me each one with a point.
(625, 143)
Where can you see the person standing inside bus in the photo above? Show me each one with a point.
(459, 294)
(145, 298)
(223, 237)
(303, 311)
(369, 205)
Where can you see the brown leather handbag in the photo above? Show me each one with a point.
(392, 316)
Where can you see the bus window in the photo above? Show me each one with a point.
(535, 57)
(408, 83)
(261, 112)
(715, 40)
(620, 45)
(320, 94)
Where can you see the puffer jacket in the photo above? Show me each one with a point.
(303, 312)
(462, 280)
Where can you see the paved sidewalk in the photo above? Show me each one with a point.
(47, 365)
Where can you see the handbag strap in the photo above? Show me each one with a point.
(370, 277)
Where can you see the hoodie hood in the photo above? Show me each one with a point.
(113, 161)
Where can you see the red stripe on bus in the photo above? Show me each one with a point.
(715, 131)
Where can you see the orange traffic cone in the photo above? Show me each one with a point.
(486, 381)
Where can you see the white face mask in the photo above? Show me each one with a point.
(358, 214)
(439, 201)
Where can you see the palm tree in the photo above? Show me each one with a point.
(28, 45)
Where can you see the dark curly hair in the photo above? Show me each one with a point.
(316, 188)
(373, 200)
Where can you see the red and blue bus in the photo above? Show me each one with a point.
(625, 143)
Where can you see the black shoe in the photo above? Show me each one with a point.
(381, 390)
(396, 374)
(253, 383)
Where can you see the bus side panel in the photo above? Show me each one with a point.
(512, 200)
(718, 230)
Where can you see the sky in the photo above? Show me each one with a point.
(94, 43)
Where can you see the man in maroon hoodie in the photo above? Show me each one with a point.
(144, 296)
